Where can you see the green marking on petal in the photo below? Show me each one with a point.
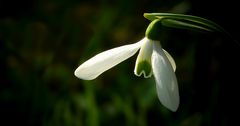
(145, 68)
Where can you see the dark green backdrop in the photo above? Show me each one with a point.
(42, 42)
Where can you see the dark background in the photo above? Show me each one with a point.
(43, 42)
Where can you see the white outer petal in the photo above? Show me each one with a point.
(166, 82)
(171, 60)
(98, 64)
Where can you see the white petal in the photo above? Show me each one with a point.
(166, 82)
(98, 64)
(143, 63)
(171, 60)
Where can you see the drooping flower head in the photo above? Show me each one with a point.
(152, 59)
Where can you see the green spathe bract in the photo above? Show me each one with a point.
(189, 22)
(185, 22)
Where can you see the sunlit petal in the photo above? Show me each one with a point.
(98, 64)
(166, 82)
(171, 60)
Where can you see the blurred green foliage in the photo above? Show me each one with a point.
(42, 45)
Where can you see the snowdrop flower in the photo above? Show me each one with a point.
(151, 60)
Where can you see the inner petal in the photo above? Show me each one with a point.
(143, 68)
(143, 63)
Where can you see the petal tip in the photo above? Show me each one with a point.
(79, 73)
(173, 107)
(171, 104)
(76, 73)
